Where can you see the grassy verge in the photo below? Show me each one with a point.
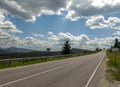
(23, 63)
(114, 68)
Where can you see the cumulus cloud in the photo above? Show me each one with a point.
(7, 31)
(102, 42)
(56, 42)
(92, 10)
(50, 33)
(82, 41)
(9, 40)
(29, 9)
(15, 9)
(37, 35)
(84, 9)
(6, 25)
(99, 22)
(117, 33)
(76, 9)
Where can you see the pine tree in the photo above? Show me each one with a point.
(66, 49)
(116, 43)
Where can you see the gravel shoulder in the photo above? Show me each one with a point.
(106, 78)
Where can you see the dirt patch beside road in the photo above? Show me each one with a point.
(106, 79)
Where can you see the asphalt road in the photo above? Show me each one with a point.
(81, 71)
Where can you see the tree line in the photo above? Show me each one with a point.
(117, 44)
(67, 48)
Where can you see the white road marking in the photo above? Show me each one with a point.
(93, 74)
(36, 74)
(18, 80)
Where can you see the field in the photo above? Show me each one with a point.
(114, 67)
(28, 62)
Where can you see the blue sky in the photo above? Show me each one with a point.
(57, 24)
(48, 24)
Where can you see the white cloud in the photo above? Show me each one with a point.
(99, 22)
(79, 8)
(38, 35)
(50, 33)
(103, 3)
(56, 42)
(10, 41)
(15, 9)
(75, 41)
(7, 31)
(29, 9)
(75, 9)
(117, 33)
(6, 25)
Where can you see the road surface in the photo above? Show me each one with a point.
(81, 71)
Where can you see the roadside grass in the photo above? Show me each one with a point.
(114, 69)
(4, 65)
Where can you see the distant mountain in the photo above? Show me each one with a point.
(23, 50)
(77, 51)
(3, 51)
(18, 50)
(14, 50)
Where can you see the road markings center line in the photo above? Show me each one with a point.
(93, 74)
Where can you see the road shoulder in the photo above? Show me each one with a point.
(104, 82)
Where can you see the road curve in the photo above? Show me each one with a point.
(81, 71)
